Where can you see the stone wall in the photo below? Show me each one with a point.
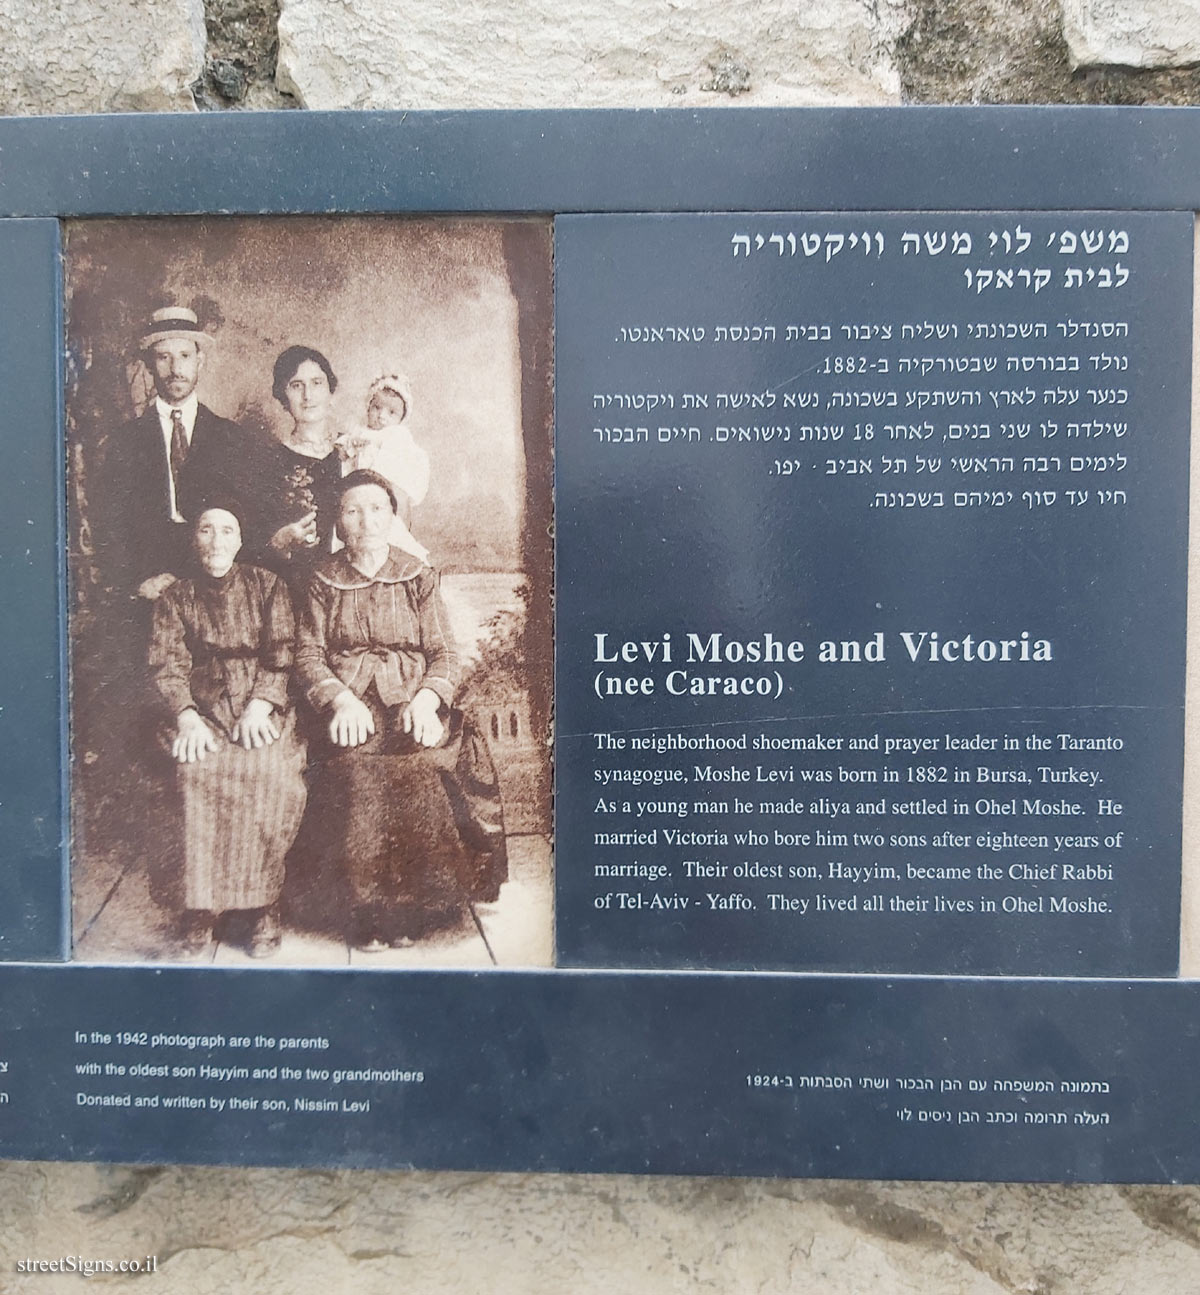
(110, 55)
(271, 1232)
(296, 1231)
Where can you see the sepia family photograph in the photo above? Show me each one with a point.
(309, 528)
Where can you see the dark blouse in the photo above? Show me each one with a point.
(389, 629)
(218, 643)
(280, 486)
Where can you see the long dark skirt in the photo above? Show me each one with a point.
(241, 811)
(414, 827)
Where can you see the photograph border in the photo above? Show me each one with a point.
(459, 309)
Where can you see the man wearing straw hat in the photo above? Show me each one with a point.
(159, 468)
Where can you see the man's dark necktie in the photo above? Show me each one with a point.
(179, 449)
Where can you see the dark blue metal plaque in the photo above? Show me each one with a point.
(634, 1073)
(881, 667)
(881, 416)
(33, 823)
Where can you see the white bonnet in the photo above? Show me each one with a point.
(397, 384)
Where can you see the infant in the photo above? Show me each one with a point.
(385, 445)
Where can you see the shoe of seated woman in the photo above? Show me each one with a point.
(194, 930)
(368, 932)
(265, 935)
(404, 927)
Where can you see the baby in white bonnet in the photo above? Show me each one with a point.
(385, 445)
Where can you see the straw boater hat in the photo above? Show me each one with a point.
(174, 322)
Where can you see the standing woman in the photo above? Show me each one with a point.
(291, 491)
(220, 656)
(408, 792)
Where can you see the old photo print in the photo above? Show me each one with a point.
(309, 558)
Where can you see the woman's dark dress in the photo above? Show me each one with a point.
(216, 644)
(418, 827)
(279, 486)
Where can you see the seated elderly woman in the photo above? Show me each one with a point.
(220, 657)
(407, 788)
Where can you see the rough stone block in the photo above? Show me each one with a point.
(1148, 33)
(100, 55)
(627, 53)
(296, 1232)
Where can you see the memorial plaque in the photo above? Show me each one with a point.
(881, 668)
(860, 443)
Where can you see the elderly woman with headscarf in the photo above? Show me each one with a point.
(220, 656)
(409, 797)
